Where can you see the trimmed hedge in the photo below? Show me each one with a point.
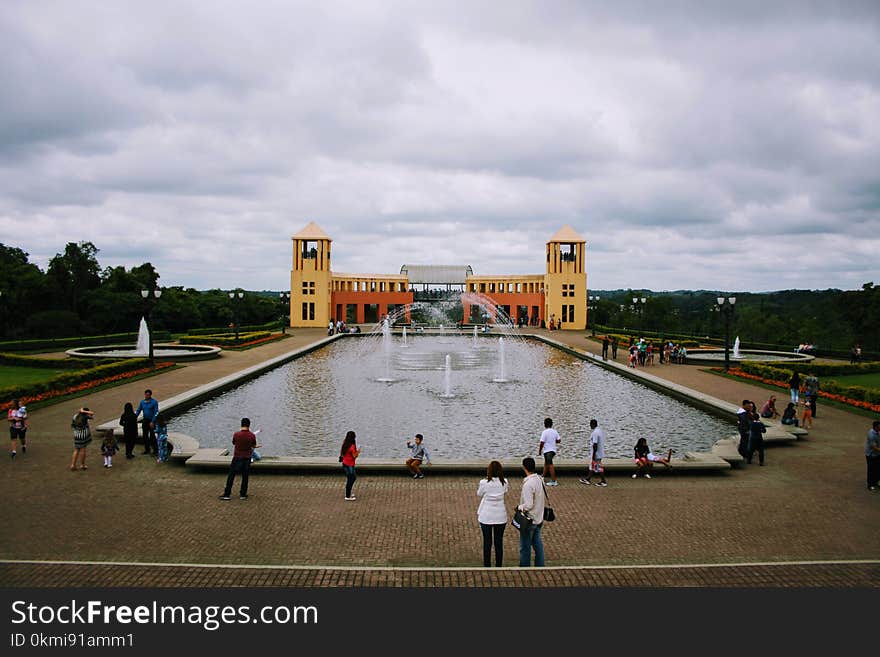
(71, 379)
(70, 343)
(819, 369)
(782, 375)
(268, 326)
(14, 360)
(224, 340)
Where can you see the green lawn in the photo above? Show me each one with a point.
(865, 380)
(13, 376)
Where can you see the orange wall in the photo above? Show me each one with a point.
(381, 299)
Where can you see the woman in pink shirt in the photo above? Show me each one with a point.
(347, 456)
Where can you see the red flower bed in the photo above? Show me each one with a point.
(85, 385)
(784, 384)
(271, 338)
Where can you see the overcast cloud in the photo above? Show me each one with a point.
(727, 145)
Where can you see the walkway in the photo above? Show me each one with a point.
(808, 505)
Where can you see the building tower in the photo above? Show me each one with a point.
(310, 278)
(565, 283)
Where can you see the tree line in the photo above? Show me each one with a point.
(831, 319)
(75, 296)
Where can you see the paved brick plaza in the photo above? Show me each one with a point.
(808, 504)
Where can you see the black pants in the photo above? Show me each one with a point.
(813, 404)
(149, 434)
(238, 465)
(873, 463)
(756, 445)
(743, 447)
(130, 438)
(494, 535)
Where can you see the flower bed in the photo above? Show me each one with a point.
(225, 340)
(254, 343)
(856, 396)
(80, 380)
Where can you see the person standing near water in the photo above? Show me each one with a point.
(547, 448)
(531, 502)
(597, 453)
(82, 436)
(347, 456)
(245, 442)
(492, 514)
(794, 386)
(150, 408)
(128, 421)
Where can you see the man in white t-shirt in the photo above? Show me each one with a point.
(547, 447)
(597, 450)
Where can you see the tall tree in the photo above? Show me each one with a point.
(22, 290)
(74, 273)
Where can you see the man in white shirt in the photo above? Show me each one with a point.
(549, 440)
(597, 449)
(531, 502)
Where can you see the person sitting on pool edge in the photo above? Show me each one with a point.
(418, 454)
(645, 459)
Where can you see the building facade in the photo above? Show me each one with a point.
(318, 296)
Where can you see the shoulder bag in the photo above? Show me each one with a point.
(549, 513)
(521, 520)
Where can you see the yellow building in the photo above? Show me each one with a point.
(318, 296)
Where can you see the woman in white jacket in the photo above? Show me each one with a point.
(492, 513)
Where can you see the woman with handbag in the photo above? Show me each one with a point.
(492, 514)
(531, 503)
(347, 456)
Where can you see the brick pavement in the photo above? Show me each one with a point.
(808, 504)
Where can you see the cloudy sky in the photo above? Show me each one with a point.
(727, 145)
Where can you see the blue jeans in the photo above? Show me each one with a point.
(531, 538)
(350, 476)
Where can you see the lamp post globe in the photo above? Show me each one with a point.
(150, 300)
(232, 297)
(725, 305)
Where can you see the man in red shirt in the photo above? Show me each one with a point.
(244, 442)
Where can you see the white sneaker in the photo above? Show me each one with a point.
(647, 476)
(635, 476)
(585, 481)
(350, 499)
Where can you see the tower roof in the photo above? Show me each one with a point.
(566, 234)
(312, 231)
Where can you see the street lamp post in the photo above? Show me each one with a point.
(232, 297)
(284, 297)
(150, 297)
(639, 304)
(726, 308)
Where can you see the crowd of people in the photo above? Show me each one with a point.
(644, 352)
(533, 508)
(146, 417)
